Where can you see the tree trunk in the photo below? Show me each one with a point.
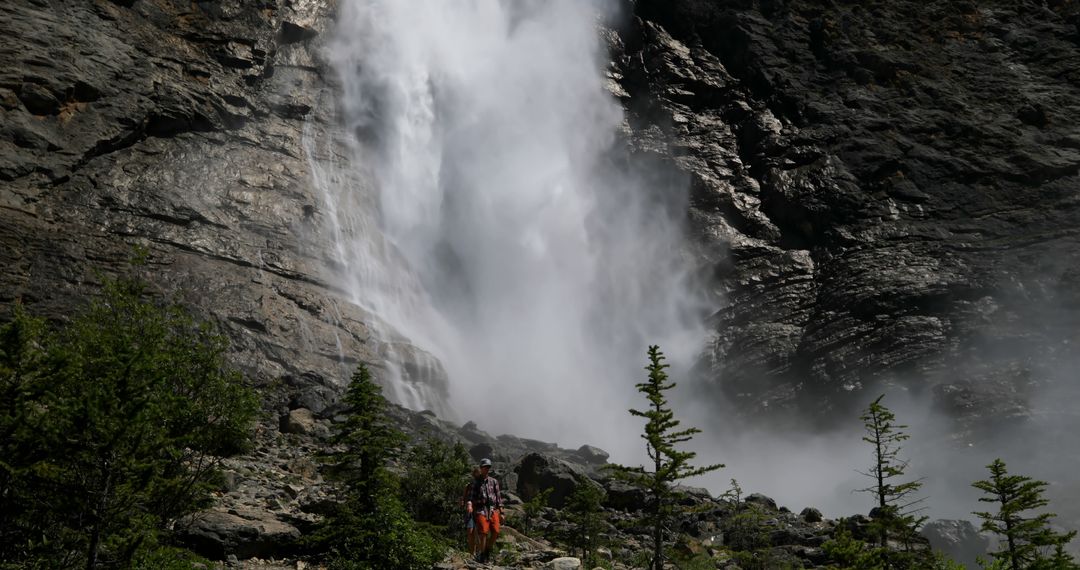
(99, 519)
(658, 548)
(95, 541)
(1012, 545)
(879, 471)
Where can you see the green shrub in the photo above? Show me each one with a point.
(382, 536)
(846, 552)
(169, 558)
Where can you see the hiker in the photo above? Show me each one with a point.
(470, 524)
(485, 504)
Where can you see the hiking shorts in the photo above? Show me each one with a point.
(469, 522)
(487, 524)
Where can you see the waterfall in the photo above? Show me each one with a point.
(504, 230)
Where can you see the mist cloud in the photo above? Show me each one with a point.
(515, 247)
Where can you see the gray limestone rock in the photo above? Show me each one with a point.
(958, 539)
(593, 455)
(811, 515)
(564, 563)
(181, 130)
(298, 421)
(537, 472)
(877, 197)
(764, 502)
(623, 496)
(240, 533)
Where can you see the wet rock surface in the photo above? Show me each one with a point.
(185, 129)
(886, 193)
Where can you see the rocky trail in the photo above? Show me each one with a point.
(275, 494)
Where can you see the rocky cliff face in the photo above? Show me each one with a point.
(881, 193)
(179, 127)
(886, 191)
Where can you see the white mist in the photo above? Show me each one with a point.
(507, 241)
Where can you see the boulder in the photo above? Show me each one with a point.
(564, 563)
(623, 496)
(299, 421)
(537, 472)
(592, 455)
(764, 502)
(471, 432)
(692, 496)
(858, 526)
(959, 539)
(242, 533)
(312, 391)
(480, 451)
(811, 515)
(314, 500)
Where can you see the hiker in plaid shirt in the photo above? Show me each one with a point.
(486, 506)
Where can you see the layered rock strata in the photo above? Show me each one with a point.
(885, 194)
(187, 130)
(880, 195)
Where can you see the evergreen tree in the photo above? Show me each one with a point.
(844, 552)
(370, 529)
(432, 485)
(670, 465)
(584, 513)
(114, 428)
(848, 553)
(1028, 538)
(367, 440)
(24, 373)
(532, 508)
(896, 513)
(745, 531)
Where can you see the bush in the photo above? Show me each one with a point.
(850, 553)
(382, 536)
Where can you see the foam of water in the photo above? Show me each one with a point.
(504, 236)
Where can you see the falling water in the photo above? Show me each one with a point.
(502, 231)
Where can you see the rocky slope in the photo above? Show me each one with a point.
(273, 496)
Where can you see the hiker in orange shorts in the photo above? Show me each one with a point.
(486, 506)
